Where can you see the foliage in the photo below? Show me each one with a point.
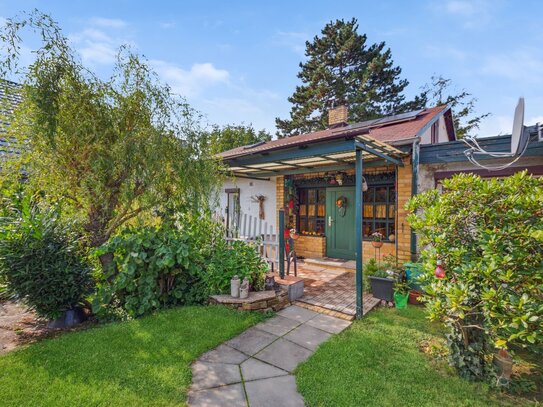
(146, 362)
(232, 136)
(341, 68)
(489, 236)
(377, 361)
(238, 258)
(40, 259)
(439, 92)
(157, 266)
(170, 264)
(114, 149)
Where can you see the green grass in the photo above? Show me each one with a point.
(378, 362)
(145, 362)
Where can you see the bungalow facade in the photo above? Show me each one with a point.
(313, 179)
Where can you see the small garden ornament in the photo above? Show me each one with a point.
(260, 200)
(234, 287)
(244, 289)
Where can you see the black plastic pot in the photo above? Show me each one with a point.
(68, 319)
(382, 288)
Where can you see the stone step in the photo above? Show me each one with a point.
(334, 264)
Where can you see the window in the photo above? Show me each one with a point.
(232, 209)
(312, 211)
(435, 133)
(379, 211)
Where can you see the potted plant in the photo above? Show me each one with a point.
(401, 291)
(382, 285)
(294, 235)
(377, 239)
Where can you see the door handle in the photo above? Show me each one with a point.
(330, 220)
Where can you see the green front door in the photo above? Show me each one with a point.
(340, 223)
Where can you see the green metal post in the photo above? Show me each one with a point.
(281, 232)
(414, 191)
(359, 250)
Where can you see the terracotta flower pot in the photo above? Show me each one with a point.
(413, 297)
(376, 244)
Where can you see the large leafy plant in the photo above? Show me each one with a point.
(40, 258)
(181, 261)
(489, 236)
(235, 258)
(155, 267)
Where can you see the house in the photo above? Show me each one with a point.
(312, 178)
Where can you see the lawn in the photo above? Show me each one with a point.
(136, 363)
(378, 362)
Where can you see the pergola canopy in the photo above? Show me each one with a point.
(324, 156)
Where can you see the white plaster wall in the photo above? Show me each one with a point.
(247, 189)
(426, 137)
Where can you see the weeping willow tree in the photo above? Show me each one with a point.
(113, 150)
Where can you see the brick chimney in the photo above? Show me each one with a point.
(338, 116)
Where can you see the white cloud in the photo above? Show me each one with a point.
(292, 40)
(523, 65)
(473, 13)
(445, 52)
(96, 43)
(167, 24)
(108, 22)
(191, 82)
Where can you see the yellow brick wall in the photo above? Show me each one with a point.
(280, 195)
(403, 231)
(311, 246)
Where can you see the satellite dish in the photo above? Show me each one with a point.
(520, 138)
(518, 132)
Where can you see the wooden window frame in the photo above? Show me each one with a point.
(388, 203)
(316, 217)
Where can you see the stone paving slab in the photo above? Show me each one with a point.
(224, 354)
(252, 341)
(254, 369)
(208, 375)
(274, 392)
(307, 336)
(284, 354)
(231, 396)
(328, 324)
(278, 346)
(297, 313)
(278, 325)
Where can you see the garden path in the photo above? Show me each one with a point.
(255, 368)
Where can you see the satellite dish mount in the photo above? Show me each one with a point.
(520, 138)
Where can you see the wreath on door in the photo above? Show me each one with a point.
(341, 204)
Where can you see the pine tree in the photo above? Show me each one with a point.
(341, 68)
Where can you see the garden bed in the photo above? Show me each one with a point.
(258, 301)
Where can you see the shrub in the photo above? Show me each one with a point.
(489, 236)
(154, 267)
(39, 258)
(174, 263)
(237, 258)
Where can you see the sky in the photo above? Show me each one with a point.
(237, 61)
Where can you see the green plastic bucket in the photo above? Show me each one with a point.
(400, 300)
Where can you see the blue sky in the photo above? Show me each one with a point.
(236, 61)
